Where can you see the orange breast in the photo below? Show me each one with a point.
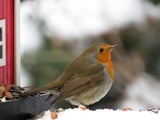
(110, 68)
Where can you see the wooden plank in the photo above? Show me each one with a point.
(1, 68)
(1, 75)
(17, 42)
(7, 13)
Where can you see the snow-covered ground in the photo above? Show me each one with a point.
(102, 114)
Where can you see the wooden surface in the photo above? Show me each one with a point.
(7, 13)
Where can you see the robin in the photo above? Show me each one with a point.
(85, 80)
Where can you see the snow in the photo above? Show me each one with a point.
(142, 93)
(29, 34)
(80, 18)
(102, 114)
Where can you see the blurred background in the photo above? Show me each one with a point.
(54, 32)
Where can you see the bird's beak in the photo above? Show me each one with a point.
(113, 47)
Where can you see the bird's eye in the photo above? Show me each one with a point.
(101, 50)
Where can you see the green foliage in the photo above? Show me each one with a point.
(45, 65)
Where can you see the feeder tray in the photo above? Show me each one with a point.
(25, 109)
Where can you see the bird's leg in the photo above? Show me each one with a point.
(82, 107)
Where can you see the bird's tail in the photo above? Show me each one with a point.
(53, 85)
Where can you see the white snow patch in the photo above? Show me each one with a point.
(102, 114)
(142, 93)
(29, 35)
(81, 18)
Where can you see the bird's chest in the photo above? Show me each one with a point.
(93, 94)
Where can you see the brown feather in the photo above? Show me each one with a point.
(79, 84)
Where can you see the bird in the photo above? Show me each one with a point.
(85, 80)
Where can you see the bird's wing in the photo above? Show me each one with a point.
(78, 85)
(81, 81)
